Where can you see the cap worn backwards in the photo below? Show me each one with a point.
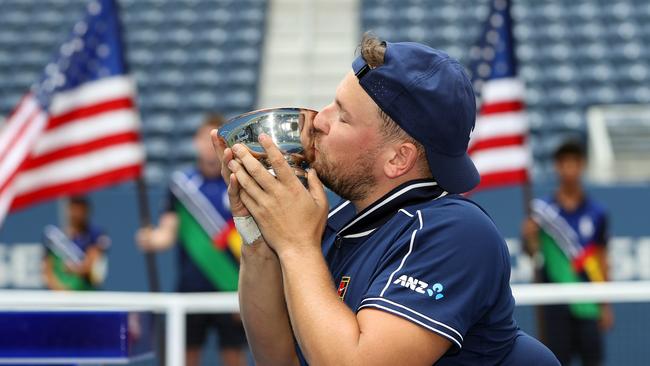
(428, 94)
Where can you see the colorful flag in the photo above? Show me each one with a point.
(498, 143)
(78, 127)
(566, 260)
(210, 239)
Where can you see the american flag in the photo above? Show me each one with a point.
(498, 144)
(77, 129)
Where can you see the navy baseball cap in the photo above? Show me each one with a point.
(429, 95)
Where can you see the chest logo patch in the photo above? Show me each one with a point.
(343, 287)
(420, 286)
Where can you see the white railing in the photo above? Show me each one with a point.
(176, 305)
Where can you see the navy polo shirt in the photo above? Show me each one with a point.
(434, 259)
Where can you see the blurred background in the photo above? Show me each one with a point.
(585, 65)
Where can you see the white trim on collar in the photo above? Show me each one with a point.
(388, 199)
(358, 235)
(337, 209)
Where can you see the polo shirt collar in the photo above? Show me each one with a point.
(348, 225)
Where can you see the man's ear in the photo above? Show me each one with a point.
(401, 159)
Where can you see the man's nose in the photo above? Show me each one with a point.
(322, 119)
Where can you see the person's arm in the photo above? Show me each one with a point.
(329, 333)
(606, 321)
(530, 236)
(161, 237)
(261, 299)
(93, 253)
(48, 275)
(262, 306)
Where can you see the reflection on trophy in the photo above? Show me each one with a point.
(283, 125)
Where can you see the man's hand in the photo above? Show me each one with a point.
(288, 215)
(530, 233)
(150, 239)
(225, 155)
(76, 268)
(49, 278)
(143, 237)
(261, 299)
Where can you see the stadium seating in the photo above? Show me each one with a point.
(188, 58)
(572, 54)
(191, 57)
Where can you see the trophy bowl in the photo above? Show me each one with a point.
(283, 125)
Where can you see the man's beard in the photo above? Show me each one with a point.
(354, 184)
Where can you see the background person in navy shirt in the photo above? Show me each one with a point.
(405, 271)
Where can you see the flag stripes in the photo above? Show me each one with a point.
(498, 145)
(78, 128)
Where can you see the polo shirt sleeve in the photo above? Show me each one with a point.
(443, 273)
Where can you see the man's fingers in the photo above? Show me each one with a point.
(218, 143)
(249, 202)
(233, 189)
(245, 182)
(253, 167)
(224, 154)
(227, 156)
(280, 166)
(316, 188)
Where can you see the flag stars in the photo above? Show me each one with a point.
(484, 70)
(94, 8)
(492, 37)
(48, 85)
(488, 53)
(80, 28)
(51, 68)
(78, 44)
(66, 49)
(88, 55)
(496, 20)
(58, 79)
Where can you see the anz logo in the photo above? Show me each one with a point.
(420, 286)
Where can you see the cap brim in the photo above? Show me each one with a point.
(455, 174)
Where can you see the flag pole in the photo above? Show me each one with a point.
(527, 192)
(145, 221)
(151, 264)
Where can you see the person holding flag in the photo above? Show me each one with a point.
(197, 216)
(569, 229)
(75, 257)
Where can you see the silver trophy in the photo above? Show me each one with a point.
(283, 125)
